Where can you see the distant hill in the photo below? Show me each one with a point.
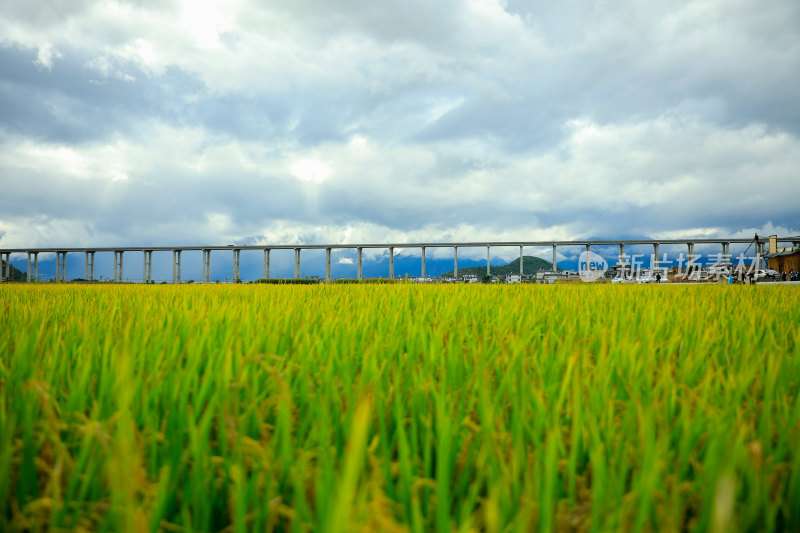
(16, 274)
(530, 265)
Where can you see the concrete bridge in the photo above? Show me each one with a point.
(236, 250)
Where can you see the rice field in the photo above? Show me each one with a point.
(399, 408)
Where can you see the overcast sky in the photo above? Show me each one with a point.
(318, 121)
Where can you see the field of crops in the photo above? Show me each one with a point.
(399, 408)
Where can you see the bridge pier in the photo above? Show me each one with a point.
(206, 266)
(236, 271)
(297, 263)
(63, 266)
(690, 256)
(656, 262)
(423, 263)
(391, 262)
(358, 267)
(147, 266)
(488, 259)
(455, 262)
(88, 265)
(5, 266)
(118, 276)
(267, 266)
(176, 266)
(521, 267)
(327, 265)
(555, 259)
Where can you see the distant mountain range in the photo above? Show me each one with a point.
(530, 265)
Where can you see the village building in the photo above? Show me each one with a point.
(783, 259)
(515, 278)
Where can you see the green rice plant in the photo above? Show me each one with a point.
(400, 407)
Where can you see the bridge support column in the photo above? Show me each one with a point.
(391, 262)
(85, 265)
(206, 266)
(266, 263)
(455, 262)
(91, 265)
(621, 259)
(5, 266)
(555, 259)
(147, 266)
(423, 263)
(35, 266)
(488, 259)
(521, 266)
(236, 271)
(358, 266)
(297, 263)
(327, 265)
(656, 262)
(64, 266)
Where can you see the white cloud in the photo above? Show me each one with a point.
(355, 121)
(310, 170)
(659, 171)
(45, 57)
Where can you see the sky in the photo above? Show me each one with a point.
(322, 121)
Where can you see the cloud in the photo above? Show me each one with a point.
(357, 121)
(45, 57)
